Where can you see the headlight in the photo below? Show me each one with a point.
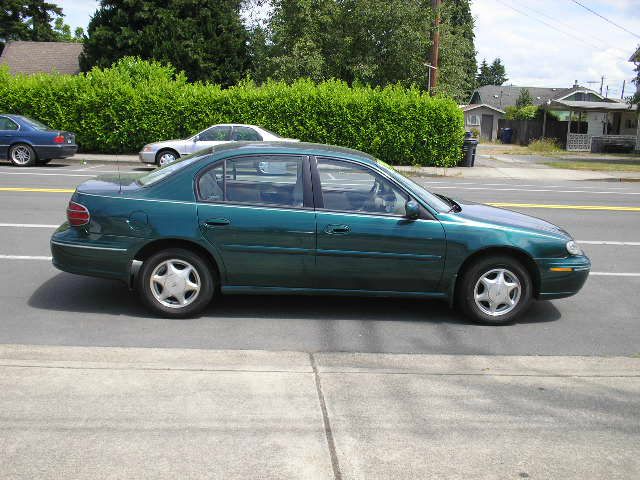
(573, 248)
(147, 148)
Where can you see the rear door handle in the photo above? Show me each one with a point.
(337, 229)
(216, 222)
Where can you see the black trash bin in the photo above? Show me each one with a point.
(468, 152)
(506, 135)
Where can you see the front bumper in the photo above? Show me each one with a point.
(562, 277)
(55, 151)
(147, 157)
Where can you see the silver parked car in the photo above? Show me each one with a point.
(163, 153)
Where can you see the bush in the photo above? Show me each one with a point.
(545, 145)
(119, 109)
(527, 112)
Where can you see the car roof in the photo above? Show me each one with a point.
(301, 148)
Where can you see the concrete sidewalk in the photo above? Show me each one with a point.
(77, 412)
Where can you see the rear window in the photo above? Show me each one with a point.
(35, 124)
(168, 170)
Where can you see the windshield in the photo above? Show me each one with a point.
(167, 170)
(432, 199)
(35, 124)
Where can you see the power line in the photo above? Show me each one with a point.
(553, 27)
(606, 19)
(563, 24)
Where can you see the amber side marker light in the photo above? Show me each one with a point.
(561, 269)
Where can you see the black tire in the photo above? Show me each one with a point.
(22, 155)
(44, 161)
(163, 152)
(484, 266)
(205, 276)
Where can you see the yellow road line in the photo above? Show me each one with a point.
(567, 207)
(513, 205)
(30, 189)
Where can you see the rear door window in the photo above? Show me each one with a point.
(257, 180)
(245, 134)
(7, 124)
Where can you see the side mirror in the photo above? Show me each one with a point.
(412, 209)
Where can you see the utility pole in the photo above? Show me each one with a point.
(606, 95)
(601, 83)
(622, 94)
(435, 48)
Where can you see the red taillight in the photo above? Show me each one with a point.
(58, 139)
(77, 214)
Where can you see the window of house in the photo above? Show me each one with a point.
(474, 119)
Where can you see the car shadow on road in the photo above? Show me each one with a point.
(73, 293)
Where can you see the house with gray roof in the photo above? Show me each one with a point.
(587, 113)
(42, 57)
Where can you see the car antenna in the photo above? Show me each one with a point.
(118, 169)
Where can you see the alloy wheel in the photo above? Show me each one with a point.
(21, 155)
(497, 292)
(175, 283)
(166, 158)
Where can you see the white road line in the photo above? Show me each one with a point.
(541, 190)
(615, 274)
(84, 169)
(453, 184)
(35, 257)
(608, 242)
(51, 174)
(27, 225)
(23, 257)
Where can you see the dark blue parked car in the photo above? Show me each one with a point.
(26, 142)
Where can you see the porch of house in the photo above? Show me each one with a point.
(598, 126)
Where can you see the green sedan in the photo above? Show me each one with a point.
(319, 220)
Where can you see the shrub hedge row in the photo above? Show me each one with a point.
(119, 109)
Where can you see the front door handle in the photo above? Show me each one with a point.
(337, 229)
(216, 222)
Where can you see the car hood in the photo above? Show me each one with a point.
(477, 212)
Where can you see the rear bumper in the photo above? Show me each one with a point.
(74, 253)
(55, 151)
(562, 277)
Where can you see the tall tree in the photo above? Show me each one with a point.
(524, 99)
(494, 74)
(205, 38)
(498, 72)
(29, 20)
(376, 42)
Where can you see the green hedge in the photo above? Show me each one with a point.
(135, 102)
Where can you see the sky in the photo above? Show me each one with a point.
(542, 43)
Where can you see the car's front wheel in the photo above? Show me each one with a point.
(165, 157)
(22, 155)
(176, 283)
(495, 290)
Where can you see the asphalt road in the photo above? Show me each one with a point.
(41, 305)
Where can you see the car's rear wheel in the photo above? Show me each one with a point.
(176, 283)
(22, 155)
(165, 157)
(495, 290)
